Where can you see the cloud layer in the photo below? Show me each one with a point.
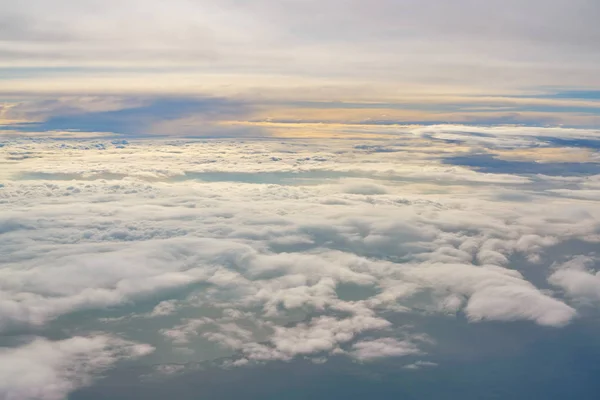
(433, 43)
(338, 61)
(273, 249)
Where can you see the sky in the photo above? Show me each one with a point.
(527, 62)
(299, 199)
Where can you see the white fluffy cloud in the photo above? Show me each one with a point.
(578, 279)
(49, 370)
(495, 293)
(270, 250)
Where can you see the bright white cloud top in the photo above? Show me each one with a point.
(168, 252)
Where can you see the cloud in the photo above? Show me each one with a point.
(277, 249)
(308, 36)
(578, 279)
(95, 280)
(384, 347)
(420, 365)
(165, 307)
(323, 334)
(495, 293)
(181, 334)
(49, 370)
(307, 62)
(129, 115)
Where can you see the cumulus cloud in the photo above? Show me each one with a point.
(264, 250)
(323, 334)
(165, 307)
(91, 280)
(49, 370)
(578, 278)
(496, 293)
(180, 334)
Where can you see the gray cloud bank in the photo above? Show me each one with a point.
(468, 44)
